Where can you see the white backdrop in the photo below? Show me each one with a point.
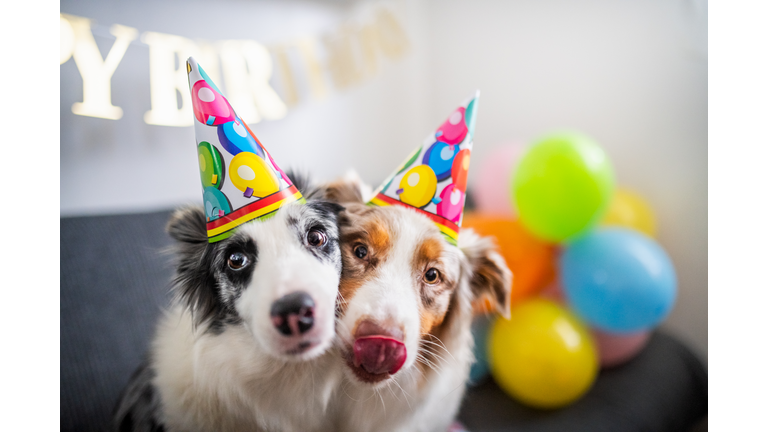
(633, 75)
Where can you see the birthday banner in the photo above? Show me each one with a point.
(346, 56)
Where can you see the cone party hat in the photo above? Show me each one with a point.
(433, 179)
(241, 182)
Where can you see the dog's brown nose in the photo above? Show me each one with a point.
(293, 314)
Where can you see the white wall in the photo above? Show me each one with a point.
(631, 74)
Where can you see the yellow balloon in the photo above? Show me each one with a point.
(248, 170)
(543, 356)
(419, 185)
(627, 209)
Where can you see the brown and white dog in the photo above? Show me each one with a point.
(404, 313)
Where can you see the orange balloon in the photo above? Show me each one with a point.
(531, 260)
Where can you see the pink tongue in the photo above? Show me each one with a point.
(379, 354)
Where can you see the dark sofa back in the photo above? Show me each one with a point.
(114, 284)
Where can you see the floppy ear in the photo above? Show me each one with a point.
(490, 278)
(187, 225)
(194, 283)
(348, 189)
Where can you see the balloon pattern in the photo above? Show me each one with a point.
(460, 169)
(451, 203)
(279, 170)
(236, 172)
(433, 179)
(209, 106)
(454, 129)
(235, 138)
(439, 157)
(215, 203)
(211, 165)
(249, 172)
(418, 186)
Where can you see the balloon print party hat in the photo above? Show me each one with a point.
(241, 182)
(433, 179)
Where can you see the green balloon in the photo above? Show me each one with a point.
(562, 186)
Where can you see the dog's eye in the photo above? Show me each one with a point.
(361, 251)
(237, 261)
(316, 238)
(432, 276)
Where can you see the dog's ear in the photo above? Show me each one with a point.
(187, 225)
(194, 283)
(490, 278)
(304, 183)
(330, 207)
(348, 189)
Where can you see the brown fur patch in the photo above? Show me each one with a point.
(360, 226)
(488, 282)
(428, 255)
(344, 191)
(378, 237)
(429, 251)
(430, 320)
(438, 331)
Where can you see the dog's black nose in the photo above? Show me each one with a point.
(293, 314)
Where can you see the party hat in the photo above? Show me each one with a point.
(241, 182)
(433, 179)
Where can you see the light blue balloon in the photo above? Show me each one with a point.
(618, 280)
(480, 368)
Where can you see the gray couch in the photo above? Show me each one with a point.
(114, 284)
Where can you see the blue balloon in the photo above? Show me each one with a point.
(215, 203)
(618, 280)
(480, 368)
(234, 137)
(439, 157)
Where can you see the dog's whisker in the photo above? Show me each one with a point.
(383, 405)
(405, 394)
(389, 387)
(344, 389)
(429, 363)
(441, 345)
(429, 351)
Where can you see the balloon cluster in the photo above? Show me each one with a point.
(589, 284)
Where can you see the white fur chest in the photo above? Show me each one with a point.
(222, 382)
(408, 403)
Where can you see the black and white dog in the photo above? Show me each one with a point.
(244, 346)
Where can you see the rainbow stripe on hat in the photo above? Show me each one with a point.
(433, 179)
(241, 182)
(449, 229)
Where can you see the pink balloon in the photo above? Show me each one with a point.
(451, 203)
(616, 349)
(454, 129)
(209, 106)
(493, 191)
